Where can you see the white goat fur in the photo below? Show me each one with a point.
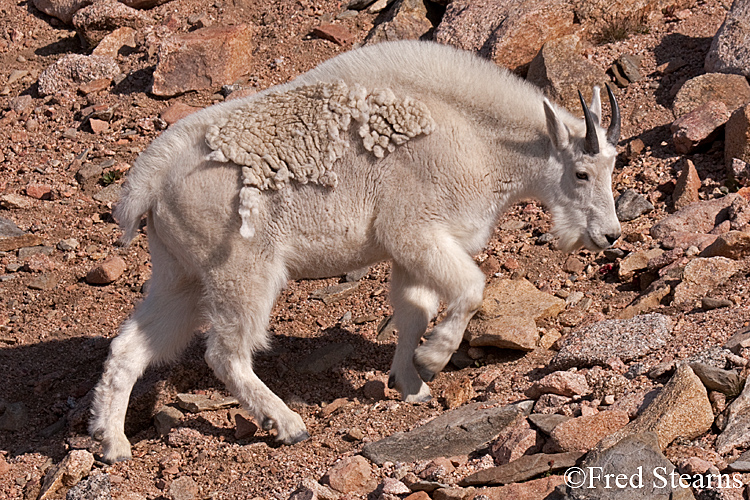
(427, 205)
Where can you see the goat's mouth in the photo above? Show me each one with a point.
(595, 244)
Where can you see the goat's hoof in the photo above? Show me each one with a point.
(268, 424)
(302, 436)
(114, 460)
(425, 373)
(391, 381)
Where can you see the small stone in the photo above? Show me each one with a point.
(109, 195)
(166, 419)
(196, 403)
(74, 467)
(13, 238)
(244, 426)
(694, 218)
(686, 189)
(733, 245)
(95, 86)
(335, 33)
(521, 440)
(14, 418)
(700, 126)
(107, 271)
(507, 318)
(702, 275)
(522, 469)
(184, 488)
(573, 265)
(547, 422)
(709, 303)
(695, 465)
(44, 281)
(325, 358)
(351, 475)
(176, 112)
(550, 403)
(631, 204)
(15, 202)
(742, 464)
(98, 126)
(629, 65)
(335, 293)
(309, 489)
(636, 261)
(96, 486)
(203, 59)
(374, 389)
(563, 383)
(68, 244)
(732, 90)
(452, 493)
(437, 470)
(39, 191)
(72, 70)
(458, 393)
(583, 433)
(740, 340)
(112, 44)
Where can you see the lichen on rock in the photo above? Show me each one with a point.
(300, 133)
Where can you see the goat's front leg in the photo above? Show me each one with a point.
(461, 284)
(239, 316)
(413, 308)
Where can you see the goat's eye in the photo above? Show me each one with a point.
(582, 176)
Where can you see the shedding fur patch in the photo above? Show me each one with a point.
(300, 133)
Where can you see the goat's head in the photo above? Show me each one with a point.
(580, 198)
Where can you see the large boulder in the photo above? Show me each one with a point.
(507, 318)
(510, 33)
(681, 409)
(736, 434)
(405, 20)
(703, 275)
(732, 90)
(73, 70)
(700, 217)
(456, 432)
(203, 59)
(96, 21)
(737, 136)
(730, 48)
(638, 465)
(561, 71)
(61, 9)
(625, 339)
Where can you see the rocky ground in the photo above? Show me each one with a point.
(642, 350)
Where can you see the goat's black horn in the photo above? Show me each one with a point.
(591, 145)
(613, 132)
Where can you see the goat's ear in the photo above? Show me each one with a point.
(596, 106)
(556, 129)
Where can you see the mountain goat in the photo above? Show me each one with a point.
(408, 151)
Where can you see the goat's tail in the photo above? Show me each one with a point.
(136, 200)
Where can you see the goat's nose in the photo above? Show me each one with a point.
(612, 237)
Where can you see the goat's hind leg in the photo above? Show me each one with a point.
(159, 330)
(239, 313)
(413, 308)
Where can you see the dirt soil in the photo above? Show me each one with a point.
(53, 342)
